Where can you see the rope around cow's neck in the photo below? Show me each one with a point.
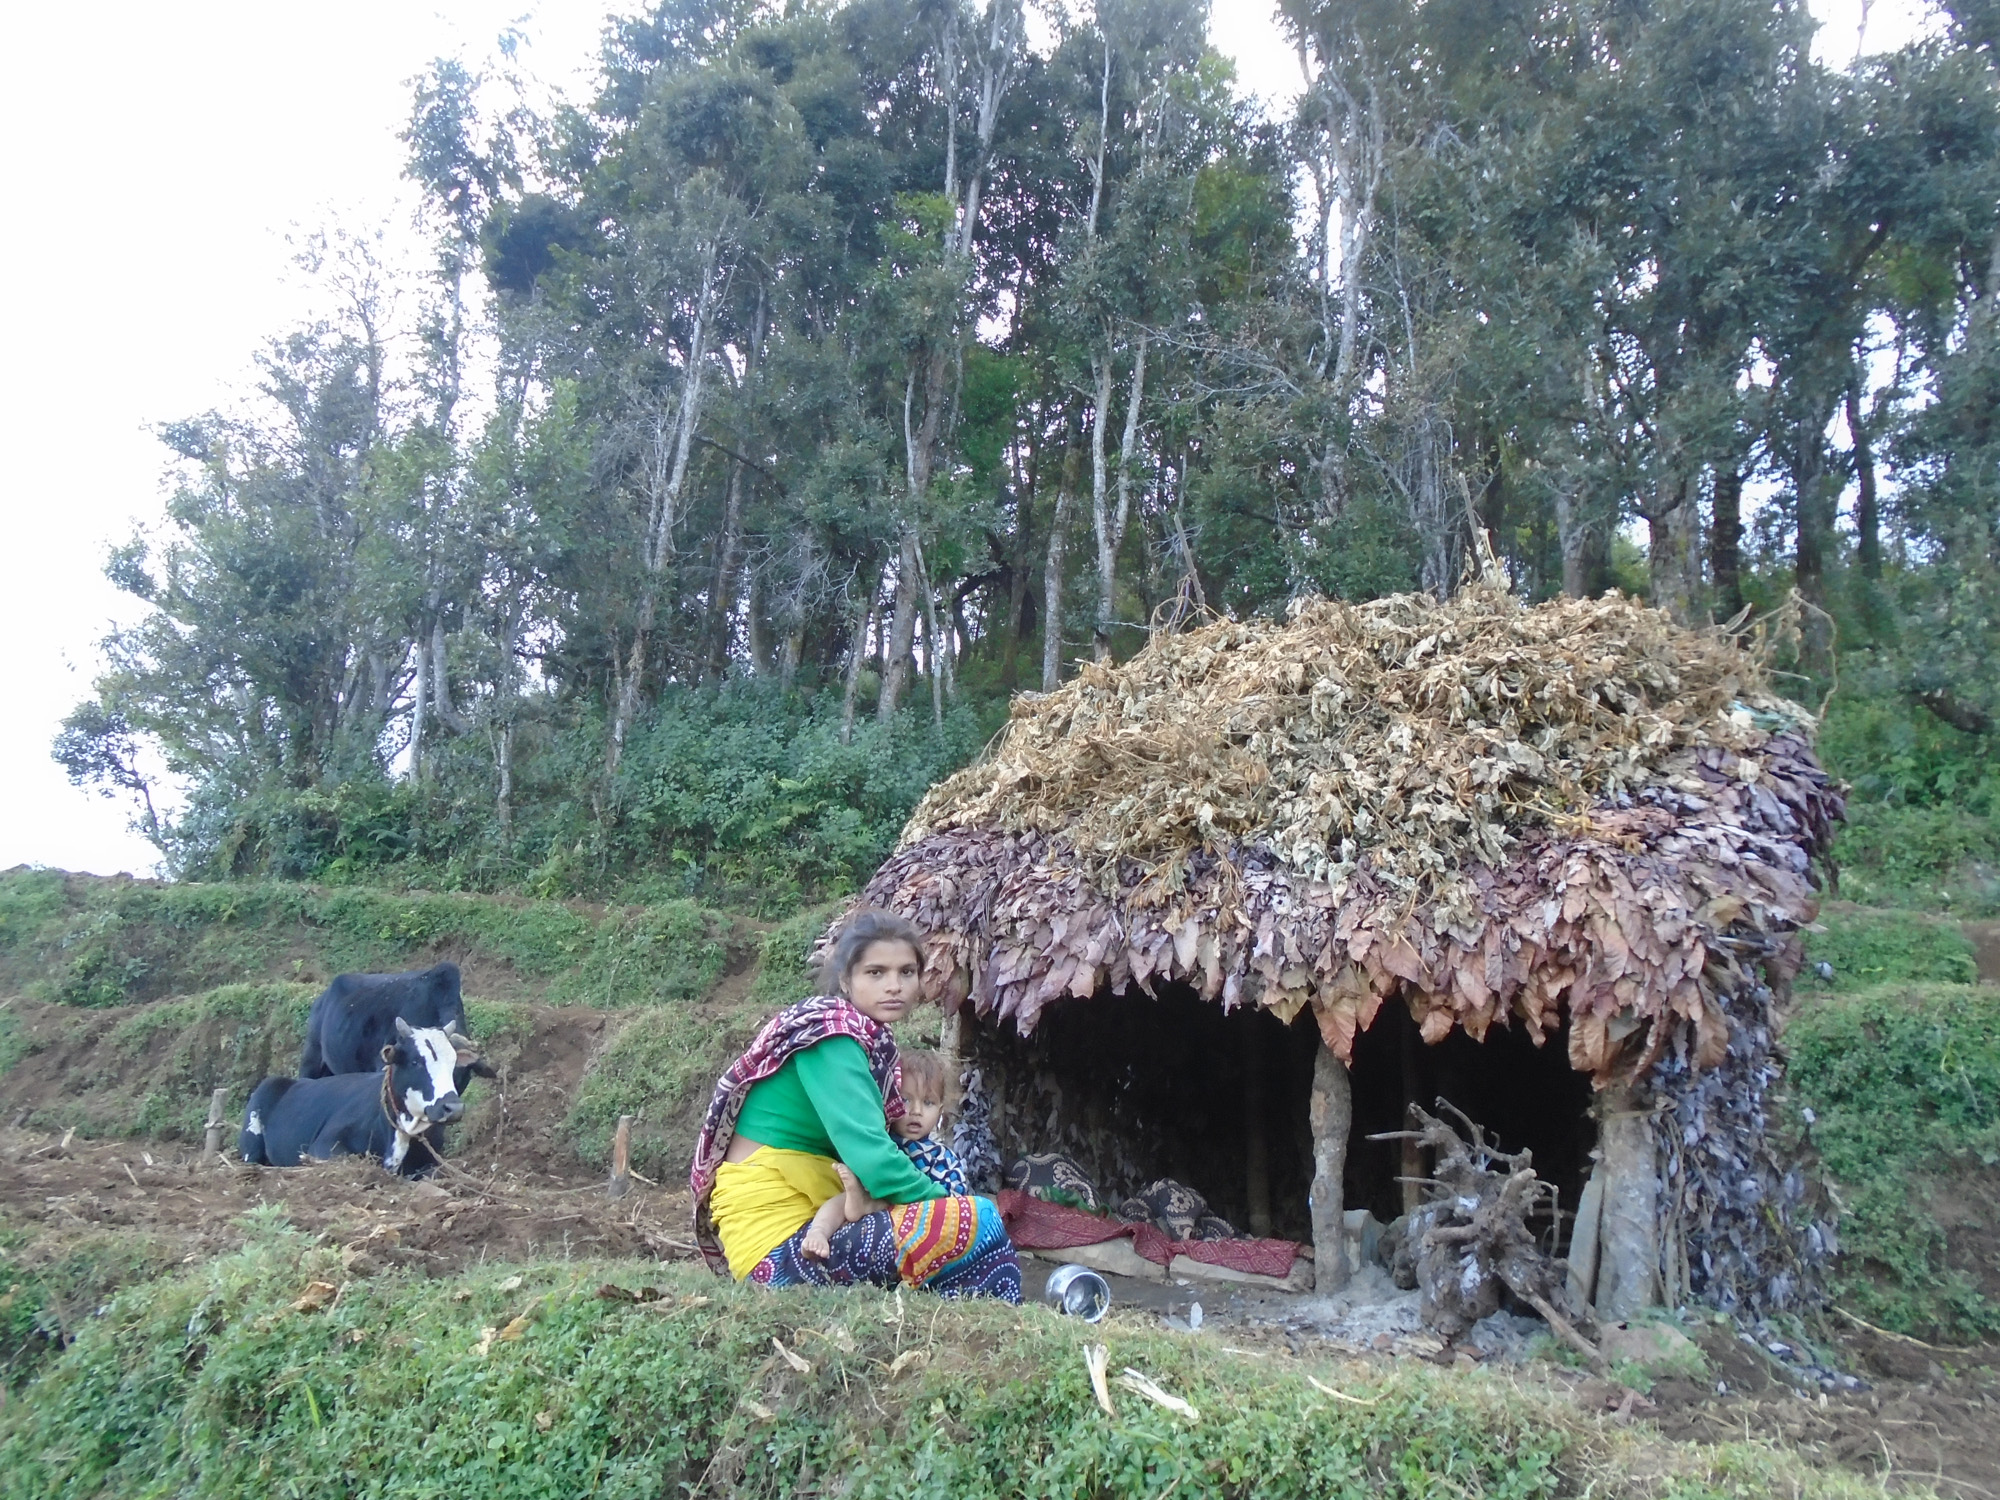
(389, 1108)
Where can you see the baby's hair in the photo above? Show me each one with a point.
(926, 1072)
(866, 927)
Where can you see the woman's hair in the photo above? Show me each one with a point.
(863, 928)
(926, 1073)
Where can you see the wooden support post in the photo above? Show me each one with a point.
(1628, 1235)
(1331, 1117)
(218, 1118)
(1256, 1150)
(621, 1158)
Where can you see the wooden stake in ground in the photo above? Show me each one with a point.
(218, 1104)
(621, 1158)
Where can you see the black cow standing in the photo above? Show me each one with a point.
(355, 1018)
(291, 1120)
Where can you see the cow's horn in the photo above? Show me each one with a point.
(458, 1038)
(403, 1028)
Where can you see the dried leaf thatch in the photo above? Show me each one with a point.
(1492, 811)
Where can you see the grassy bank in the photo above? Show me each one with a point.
(1903, 1085)
(76, 940)
(527, 1383)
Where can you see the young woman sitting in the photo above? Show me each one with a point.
(819, 1086)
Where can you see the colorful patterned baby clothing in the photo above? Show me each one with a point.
(938, 1162)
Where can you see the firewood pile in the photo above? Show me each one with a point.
(1494, 812)
(1469, 1240)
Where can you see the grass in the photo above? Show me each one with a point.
(1867, 948)
(660, 1066)
(48, 1297)
(1903, 1083)
(80, 941)
(213, 1385)
(1924, 858)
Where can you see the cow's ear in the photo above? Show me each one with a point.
(388, 1054)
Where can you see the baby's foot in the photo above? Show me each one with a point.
(857, 1197)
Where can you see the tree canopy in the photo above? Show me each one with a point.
(838, 369)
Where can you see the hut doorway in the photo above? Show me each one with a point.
(1133, 1089)
(1528, 1097)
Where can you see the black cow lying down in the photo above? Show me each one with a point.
(292, 1119)
(355, 1018)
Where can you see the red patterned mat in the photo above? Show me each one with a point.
(1037, 1225)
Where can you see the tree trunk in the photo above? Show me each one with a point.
(1867, 520)
(1725, 542)
(1052, 571)
(902, 631)
(419, 692)
(447, 711)
(1814, 511)
(666, 467)
(864, 612)
(721, 596)
(1100, 509)
(1674, 556)
(1584, 545)
(1109, 523)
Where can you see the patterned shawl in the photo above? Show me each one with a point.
(789, 1032)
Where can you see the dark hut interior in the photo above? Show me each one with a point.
(1134, 1088)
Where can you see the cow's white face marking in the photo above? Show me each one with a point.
(256, 1125)
(438, 1056)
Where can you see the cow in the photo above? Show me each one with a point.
(289, 1120)
(355, 1018)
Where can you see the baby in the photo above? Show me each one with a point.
(927, 1094)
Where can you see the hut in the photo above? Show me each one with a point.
(1224, 911)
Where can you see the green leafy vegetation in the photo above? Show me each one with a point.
(1923, 813)
(770, 511)
(45, 1299)
(1903, 1084)
(213, 1385)
(1868, 948)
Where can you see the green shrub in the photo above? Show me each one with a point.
(1903, 1086)
(212, 1385)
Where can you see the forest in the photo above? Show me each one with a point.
(840, 368)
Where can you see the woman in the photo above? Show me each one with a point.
(817, 1086)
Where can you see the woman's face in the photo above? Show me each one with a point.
(885, 981)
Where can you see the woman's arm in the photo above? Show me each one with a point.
(849, 1104)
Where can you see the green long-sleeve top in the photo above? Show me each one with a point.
(824, 1100)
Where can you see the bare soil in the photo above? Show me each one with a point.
(1985, 940)
(178, 1202)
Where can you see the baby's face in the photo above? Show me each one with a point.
(920, 1117)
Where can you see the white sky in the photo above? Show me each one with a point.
(160, 156)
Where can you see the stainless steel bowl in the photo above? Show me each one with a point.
(1079, 1292)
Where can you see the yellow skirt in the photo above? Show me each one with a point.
(764, 1200)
